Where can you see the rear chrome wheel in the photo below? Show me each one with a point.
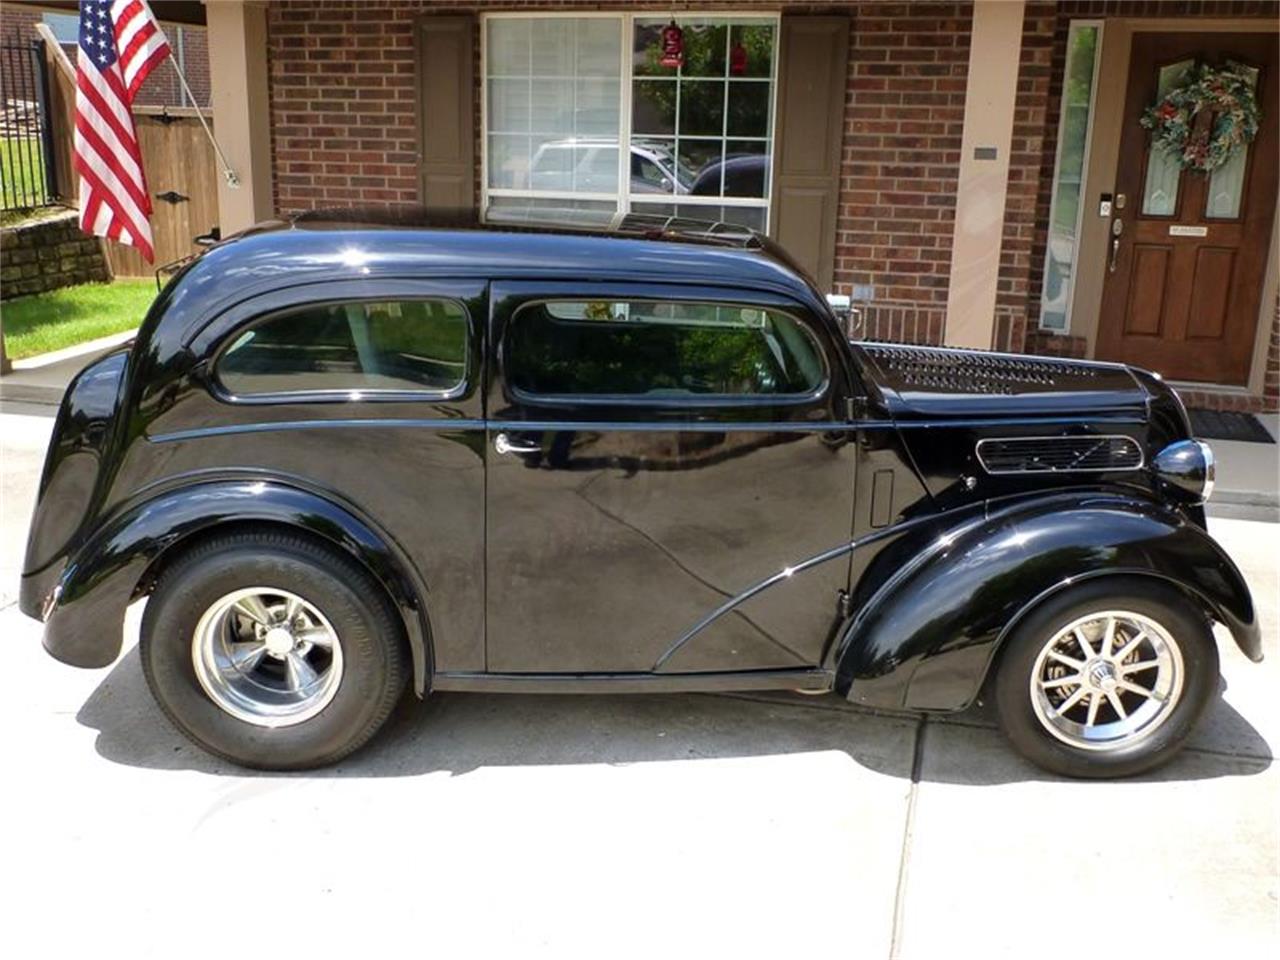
(1107, 680)
(272, 650)
(267, 656)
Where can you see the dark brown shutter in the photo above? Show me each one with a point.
(446, 121)
(814, 53)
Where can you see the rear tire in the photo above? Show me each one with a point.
(272, 652)
(1081, 705)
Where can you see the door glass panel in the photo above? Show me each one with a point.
(661, 350)
(1226, 184)
(353, 348)
(1060, 251)
(1160, 193)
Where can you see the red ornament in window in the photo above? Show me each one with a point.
(738, 60)
(672, 45)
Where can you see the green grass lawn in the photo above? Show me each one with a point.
(50, 321)
(21, 172)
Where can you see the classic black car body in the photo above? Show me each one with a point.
(852, 539)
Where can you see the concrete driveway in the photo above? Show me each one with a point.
(622, 826)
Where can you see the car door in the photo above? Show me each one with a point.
(655, 454)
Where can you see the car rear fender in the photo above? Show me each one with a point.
(927, 637)
(84, 613)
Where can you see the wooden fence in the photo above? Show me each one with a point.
(177, 159)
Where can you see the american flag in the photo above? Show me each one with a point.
(120, 43)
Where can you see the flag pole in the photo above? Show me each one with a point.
(233, 180)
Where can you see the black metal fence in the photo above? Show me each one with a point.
(27, 175)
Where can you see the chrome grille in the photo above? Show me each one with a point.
(971, 371)
(1059, 454)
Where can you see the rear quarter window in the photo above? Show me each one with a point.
(366, 346)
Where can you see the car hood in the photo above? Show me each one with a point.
(917, 381)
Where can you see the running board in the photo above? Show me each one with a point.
(807, 680)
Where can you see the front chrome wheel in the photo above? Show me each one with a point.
(267, 657)
(1107, 680)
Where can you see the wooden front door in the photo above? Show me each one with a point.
(1186, 267)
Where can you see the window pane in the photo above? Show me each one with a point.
(748, 109)
(701, 160)
(1077, 99)
(599, 48)
(660, 350)
(596, 109)
(653, 107)
(370, 346)
(704, 49)
(509, 162)
(1160, 189)
(509, 106)
(551, 110)
(701, 111)
(646, 57)
(751, 50)
(508, 48)
(1226, 184)
(654, 169)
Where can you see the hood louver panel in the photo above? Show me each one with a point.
(1059, 454)
(964, 371)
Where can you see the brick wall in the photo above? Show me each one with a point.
(48, 254)
(904, 120)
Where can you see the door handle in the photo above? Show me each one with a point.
(1117, 228)
(504, 444)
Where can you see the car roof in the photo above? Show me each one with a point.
(349, 244)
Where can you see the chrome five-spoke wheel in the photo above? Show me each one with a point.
(1107, 680)
(267, 656)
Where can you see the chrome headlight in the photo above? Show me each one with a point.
(1188, 466)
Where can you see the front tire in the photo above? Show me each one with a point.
(1107, 679)
(271, 651)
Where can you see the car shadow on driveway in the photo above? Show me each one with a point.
(461, 732)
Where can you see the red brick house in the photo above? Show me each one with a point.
(968, 172)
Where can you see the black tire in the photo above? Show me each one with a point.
(374, 667)
(1181, 620)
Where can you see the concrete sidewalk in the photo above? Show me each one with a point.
(526, 826)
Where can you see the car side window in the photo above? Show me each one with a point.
(656, 350)
(366, 346)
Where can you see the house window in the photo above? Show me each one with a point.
(583, 114)
(1065, 213)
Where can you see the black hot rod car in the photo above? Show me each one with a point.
(340, 458)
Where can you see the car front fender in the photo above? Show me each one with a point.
(84, 613)
(927, 637)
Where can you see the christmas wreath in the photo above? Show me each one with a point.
(1224, 92)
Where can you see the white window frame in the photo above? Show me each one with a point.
(1065, 329)
(626, 25)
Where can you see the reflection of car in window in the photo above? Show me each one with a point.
(591, 165)
(744, 176)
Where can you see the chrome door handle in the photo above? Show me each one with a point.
(504, 444)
